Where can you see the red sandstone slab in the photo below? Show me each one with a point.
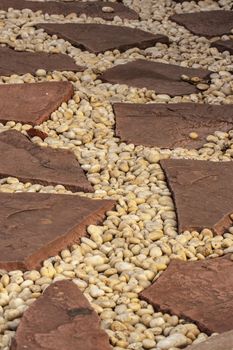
(161, 77)
(44, 165)
(199, 291)
(202, 192)
(92, 9)
(32, 103)
(206, 23)
(222, 341)
(61, 318)
(169, 125)
(223, 45)
(36, 226)
(98, 38)
(22, 62)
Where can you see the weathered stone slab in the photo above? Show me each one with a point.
(22, 62)
(36, 226)
(61, 318)
(32, 103)
(199, 291)
(202, 193)
(98, 38)
(47, 166)
(223, 45)
(222, 341)
(170, 125)
(206, 23)
(92, 9)
(161, 77)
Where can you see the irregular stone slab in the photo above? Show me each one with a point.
(32, 103)
(44, 165)
(202, 193)
(161, 77)
(223, 45)
(61, 318)
(98, 38)
(22, 62)
(199, 291)
(36, 226)
(206, 23)
(153, 124)
(222, 341)
(92, 9)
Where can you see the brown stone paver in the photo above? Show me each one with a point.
(61, 318)
(35, 132)
(202, 192)
(170, 125)
(22, 62)
(206, 23)
(199, 291)
(223, 45)
(44, 165)
(161, 77)
(99, 38)
(92, 9)
(32, 103)
(36, 226)
(222, 341)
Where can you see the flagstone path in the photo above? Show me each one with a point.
(192, 182)
(32, 103)
(61, 319)
(161, 77)
(22, 62)
(29, 162)
(142, 258)
(36, 226)
(92, 9)
(98, 38)
(206, 23)
(170, 125)
(198, 291)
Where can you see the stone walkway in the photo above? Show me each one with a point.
(116, 175)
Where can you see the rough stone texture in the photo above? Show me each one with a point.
(22, 62)
(169, 125)
(223, 341)
(92, 9)
(47, 166)
(199, 291)
(35, 132)
(223, 45)
(36, 226)
(206, 23)
(161, 77)
(61, 318)
(98, 38)
(202, 192)
(32, 103)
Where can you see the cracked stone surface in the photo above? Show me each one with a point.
(161, 77)
(36, 226)
(201, 192)
(32, 103)
(223, 45)
(22, 62)
(153, 124)
(206, 23)
(47, 166)
(200, 291)
(222, 341)
(61, 319)
(99, 38)
(91, 9)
